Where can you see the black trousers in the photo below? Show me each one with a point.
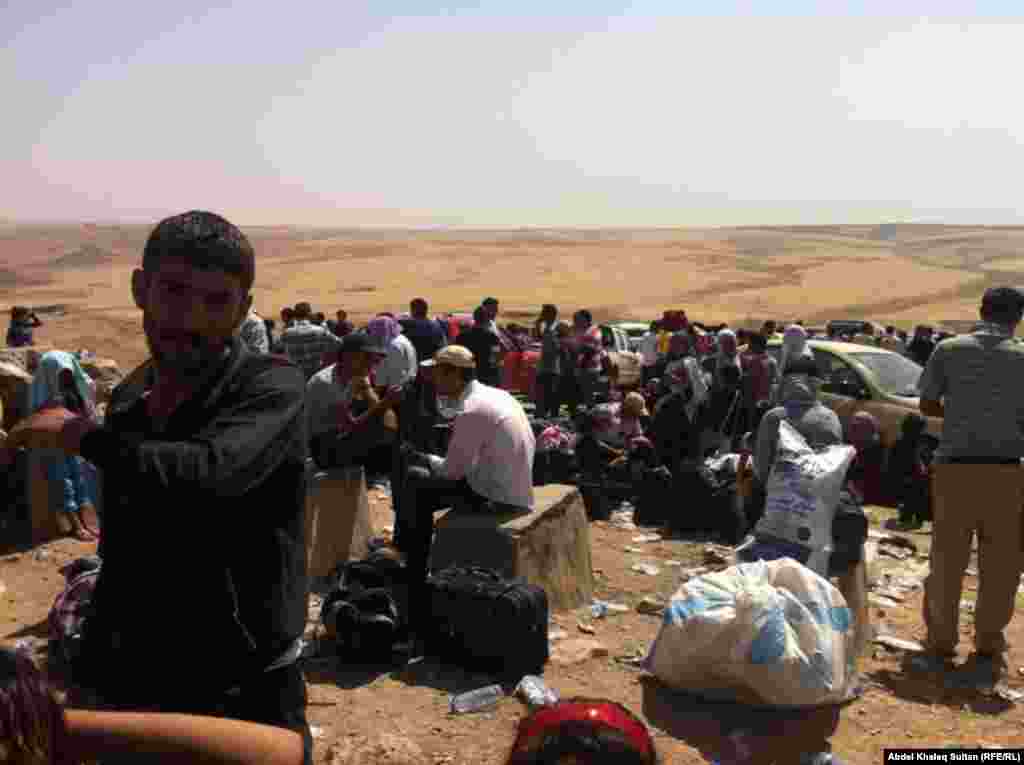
(422, 496)
(549, 398)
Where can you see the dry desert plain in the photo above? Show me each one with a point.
(892, 273)
(904, 274)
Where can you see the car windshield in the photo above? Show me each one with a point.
(895, 374)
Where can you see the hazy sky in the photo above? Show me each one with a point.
(392, 112)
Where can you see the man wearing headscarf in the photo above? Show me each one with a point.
(683, 374)
(727, 354)
(60, 381)
(865, 434)
(800, 407)
(401, 366)
(794, 345)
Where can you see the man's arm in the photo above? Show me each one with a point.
(380, 407)
(470, 432)
(933, 385)
(243, 444)
(764, 450)
(176, 738)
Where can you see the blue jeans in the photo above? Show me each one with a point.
(71, 480)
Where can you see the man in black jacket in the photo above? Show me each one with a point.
(201, 600)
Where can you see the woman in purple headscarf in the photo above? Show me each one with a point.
(400, 366)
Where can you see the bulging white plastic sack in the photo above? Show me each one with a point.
(802, 496)
(768, 633)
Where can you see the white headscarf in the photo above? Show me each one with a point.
(794, 345)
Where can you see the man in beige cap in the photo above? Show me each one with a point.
(489, 465)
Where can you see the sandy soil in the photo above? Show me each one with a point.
(902, 274)
(356, 702)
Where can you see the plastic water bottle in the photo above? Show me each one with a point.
(479, 700)
(535, 692)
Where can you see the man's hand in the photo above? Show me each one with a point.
(55, 428)
(361, 386)
(393, 395)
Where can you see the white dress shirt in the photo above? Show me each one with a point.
(400, 366)
(492, 446)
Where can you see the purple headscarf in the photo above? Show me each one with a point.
(384, 330)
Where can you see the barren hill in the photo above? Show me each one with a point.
(901, 273)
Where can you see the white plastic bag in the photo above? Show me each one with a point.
(802, 495)
(768, 633)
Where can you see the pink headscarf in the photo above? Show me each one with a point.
(384, 329)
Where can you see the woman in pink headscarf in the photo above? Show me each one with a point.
(400, 366)
(866, 474)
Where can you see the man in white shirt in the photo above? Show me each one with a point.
(488, 467)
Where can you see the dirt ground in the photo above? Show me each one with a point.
(348, 704)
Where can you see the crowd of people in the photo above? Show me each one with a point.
(214, 432)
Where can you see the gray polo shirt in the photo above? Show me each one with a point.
(980, 379)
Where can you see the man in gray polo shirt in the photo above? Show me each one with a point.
(976, 382)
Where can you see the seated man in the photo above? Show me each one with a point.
(489, 465)
(349, 424)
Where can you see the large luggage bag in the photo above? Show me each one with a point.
(484, 622)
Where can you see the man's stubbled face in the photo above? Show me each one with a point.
(189, 314)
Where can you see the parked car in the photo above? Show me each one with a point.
(875, 380)
(634, 330)
(845, 327)
(519, 372)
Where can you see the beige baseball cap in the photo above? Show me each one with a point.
(454, 356)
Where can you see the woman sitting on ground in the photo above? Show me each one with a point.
(60, 381)
(35, 730)
(866, 475)
(907, 476)
(23, 321)
(581, 731)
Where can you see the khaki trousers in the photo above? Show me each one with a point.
(968, 499)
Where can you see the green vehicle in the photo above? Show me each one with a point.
(875, 380)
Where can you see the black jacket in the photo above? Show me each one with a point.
(204, 571)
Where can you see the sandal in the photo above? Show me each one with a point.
(83, 535)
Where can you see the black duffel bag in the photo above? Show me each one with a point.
(654, 497)
(365, 612)
(484, 622)
(704, 503)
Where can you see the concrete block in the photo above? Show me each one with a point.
(338, 525)
(548, 547)
(43, 505)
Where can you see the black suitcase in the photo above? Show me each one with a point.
(654, 498)
(484, 622)
(849, 532)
